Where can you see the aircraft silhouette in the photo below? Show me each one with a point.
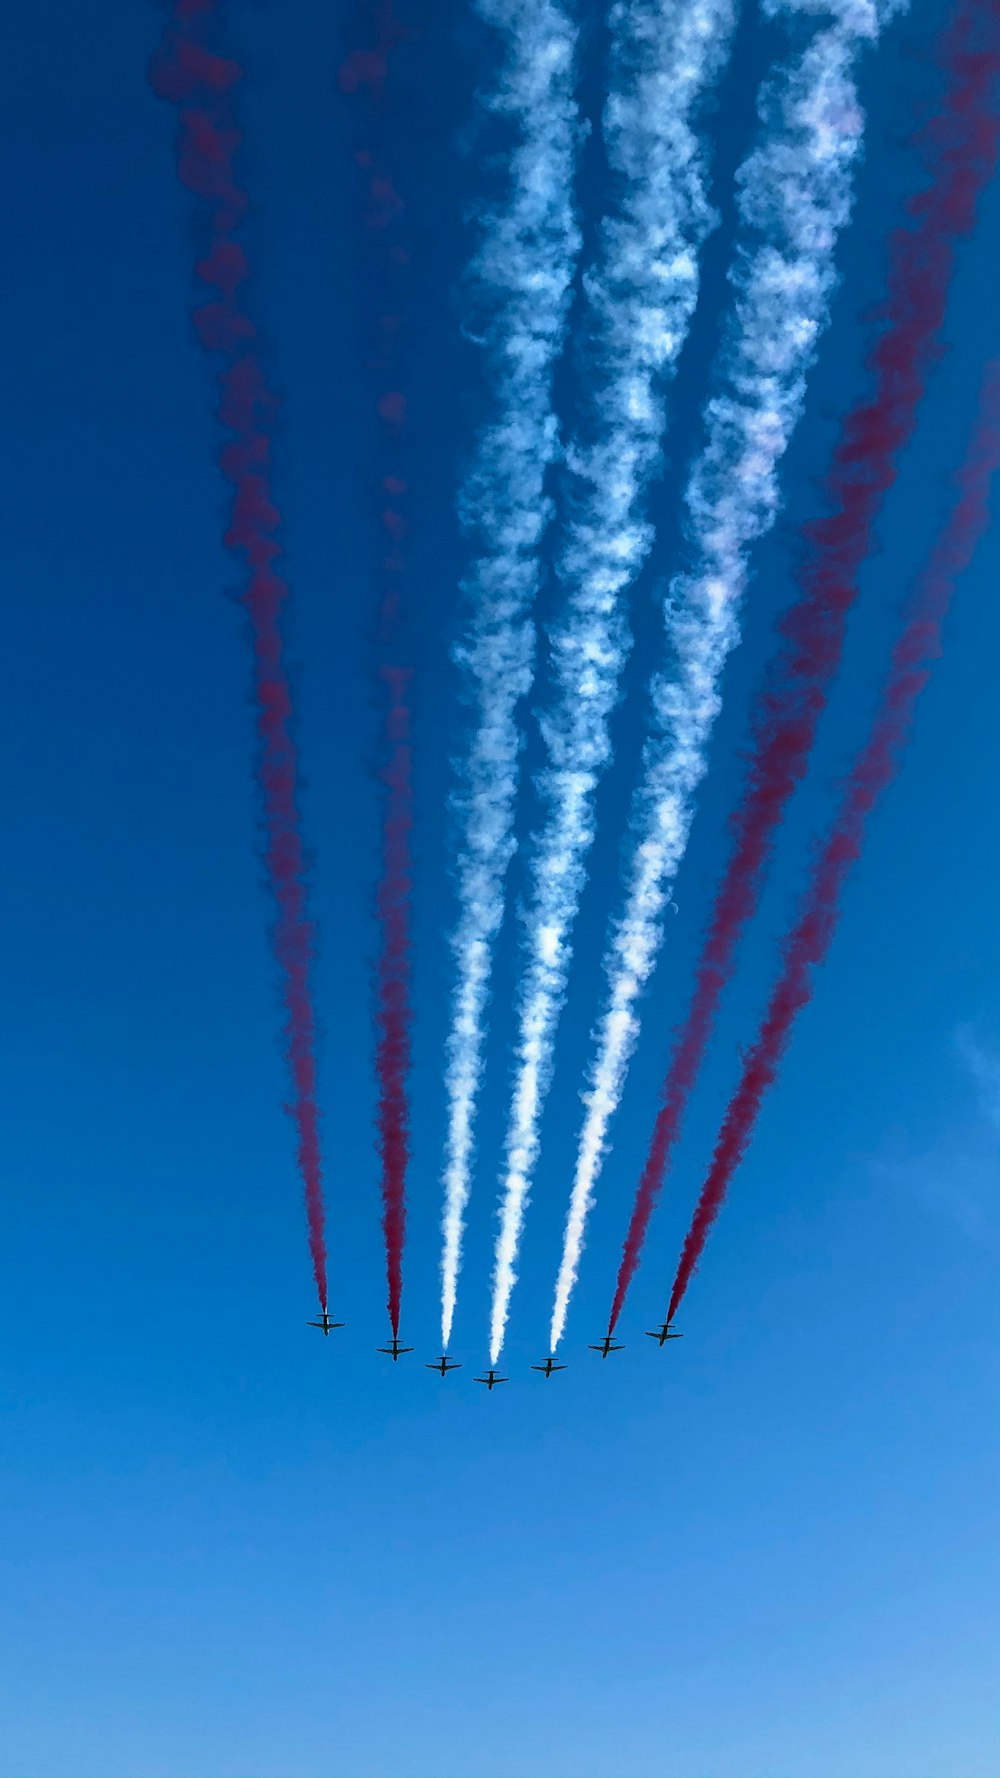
(665, 1333)
(325, 1323)
(395, 1351)
(607, 1345)
(443, 1365)
(548, 1367)
(491, 1379)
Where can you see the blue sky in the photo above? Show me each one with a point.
(227, 1546)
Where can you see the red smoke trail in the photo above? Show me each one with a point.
(960, 151)
(200, 83)
(809, 940)
(393, 1053)
(367, 70)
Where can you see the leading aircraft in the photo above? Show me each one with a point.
(395, 1351)
(325, 1323)
(665, 1333)
(607, 1345)
(443, 1365)
(491, 1379)
(548, 1367)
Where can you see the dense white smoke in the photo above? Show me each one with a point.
(641, 295)
(795, 193)
(521, 283)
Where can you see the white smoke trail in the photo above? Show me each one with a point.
(665, 54)
(522, 280)
(795, 193)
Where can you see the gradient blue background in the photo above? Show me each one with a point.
(229, 1549)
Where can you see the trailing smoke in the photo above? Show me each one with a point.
(809, 941)
(366, 73)
(187, 73)
(665, 56)
(961, 154)
(794, 194)
(521, 282)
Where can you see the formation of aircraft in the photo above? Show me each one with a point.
(325, 1323)
(444, 1364)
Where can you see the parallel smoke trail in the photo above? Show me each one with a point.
(809, 941)
(200, 83)
(961, 151)
(394, 1014)
(665, 55)
(367, 70)
(521, 279)
(794, 198)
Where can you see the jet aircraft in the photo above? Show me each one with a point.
(395, 1351)
(607, 1345)
(443, 1365)
(325, 1323)
(491, 1379)
(548, 1367)
(664, 1334)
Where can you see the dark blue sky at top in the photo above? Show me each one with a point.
(228, 1547)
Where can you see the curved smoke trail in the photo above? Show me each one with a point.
(521, 278)
(809, 940)
(186, 72)
(961, 153)
(794, 198)
(367, 70)
(665, 55)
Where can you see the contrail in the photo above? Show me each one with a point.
(366, 70)
(190, 75)
(521, 281)
(961, 152)
(809, 940)
(794, 197)
(665, 55)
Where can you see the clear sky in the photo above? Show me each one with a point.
(227, 1546)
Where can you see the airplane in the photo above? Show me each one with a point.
(491, 1379)
(665, 1333)
(443, 1365)
(325, 1323)
(395, 1351)
(607, 1345)
(548, 1367)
